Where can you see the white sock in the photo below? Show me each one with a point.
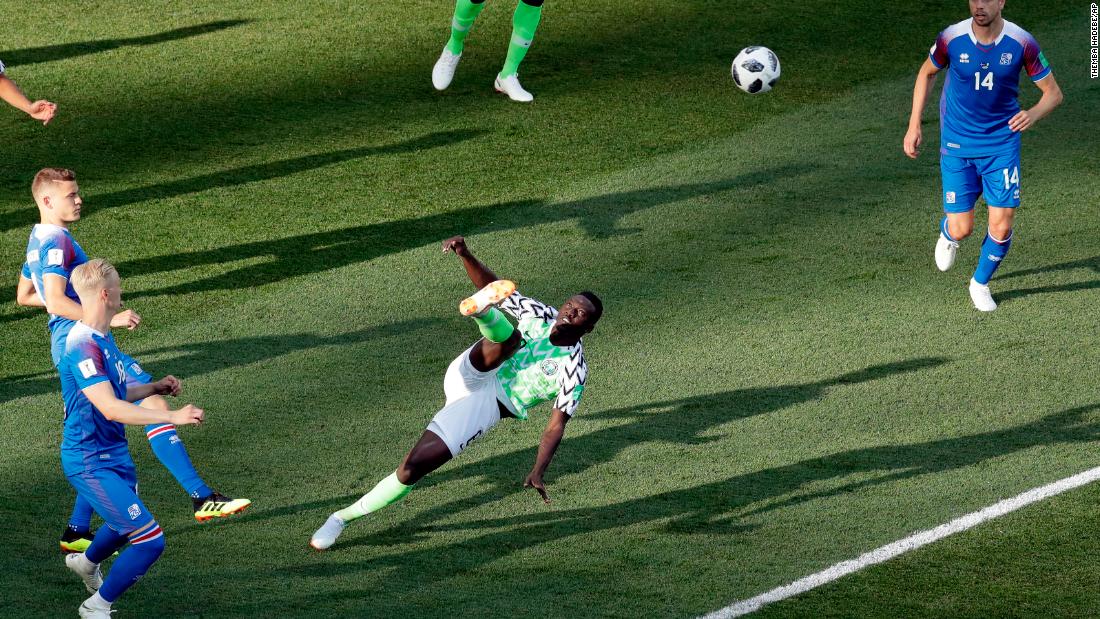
(85, 563)
(97, 602)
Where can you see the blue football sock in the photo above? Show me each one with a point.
(993, 252)
(145, 548)
(106, 542)
(943, 229)
(81, 518)
(172, 454)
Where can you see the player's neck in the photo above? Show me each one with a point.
(98, 319)
(50, 222)
(987, 35)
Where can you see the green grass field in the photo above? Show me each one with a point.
(781, 381)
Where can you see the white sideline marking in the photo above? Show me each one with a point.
(901, 546)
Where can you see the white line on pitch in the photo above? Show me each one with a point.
(901, 546)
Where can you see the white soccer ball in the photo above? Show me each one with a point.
(755, 69)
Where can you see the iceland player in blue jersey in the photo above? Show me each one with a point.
(98, 396)
(52, 254)
(981, 122)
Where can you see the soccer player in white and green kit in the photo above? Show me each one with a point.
(525, 20)
(504, 374)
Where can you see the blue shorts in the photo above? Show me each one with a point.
(964, 179)
(112, 493)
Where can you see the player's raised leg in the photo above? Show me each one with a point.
(466, 12)
(471, 410)
(525, 21)
(77, 535)
(170, 450)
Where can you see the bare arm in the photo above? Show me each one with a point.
(57, 302)
(926, 76)
(169, 385)
(25, 294)
(102, 396)
(39, 110)
(478, 273)
(1052, 98)
(548, 445)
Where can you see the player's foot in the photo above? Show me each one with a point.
(945, 252)
(73, 540)
(487, 297)
(95, 607)
(444, 70)
(982, 298)
(325, 537)
(87, 612)
(218, 505)
(88, 571)
(510, 86)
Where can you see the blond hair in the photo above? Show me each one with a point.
(92, 276)
(49, 176)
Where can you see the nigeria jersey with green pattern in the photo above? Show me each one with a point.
(540, 371)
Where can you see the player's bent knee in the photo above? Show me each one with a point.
(1000, 233)
(960, 231)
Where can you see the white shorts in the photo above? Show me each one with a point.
(471, 408)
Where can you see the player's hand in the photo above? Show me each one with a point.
(169, 385)
(911, 143)
(188, 415)
(457, 244)
(43, 110)
(535, 481)
(1022, 120)
(127, 318)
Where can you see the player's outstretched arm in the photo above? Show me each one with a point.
(25, 294)
(102, 396)
(479, 274)
(551, 438)
(38, 110)
(1052, 98)
(925, 78)
(169, 385)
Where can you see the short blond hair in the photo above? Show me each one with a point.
(49, 176)
(91, 276)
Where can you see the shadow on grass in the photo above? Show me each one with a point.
(248, 174)
(323, 251)
(715, 508)
(191, 360)
(51, 53)
(1092, 264)
(676, 421)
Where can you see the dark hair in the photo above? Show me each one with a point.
(596, 303)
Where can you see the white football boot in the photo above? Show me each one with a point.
(982, 298)
(88, 610)
(496, 292)
(444, 70)
(326, 536)
(89, 572)
(945, 253)
(511, 87)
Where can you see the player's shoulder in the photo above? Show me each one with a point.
(1018, 34)
(83, 341)
(960, 29)
(47, 234)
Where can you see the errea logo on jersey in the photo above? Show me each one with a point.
(964, 58)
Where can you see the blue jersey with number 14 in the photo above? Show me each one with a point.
(979, 93)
